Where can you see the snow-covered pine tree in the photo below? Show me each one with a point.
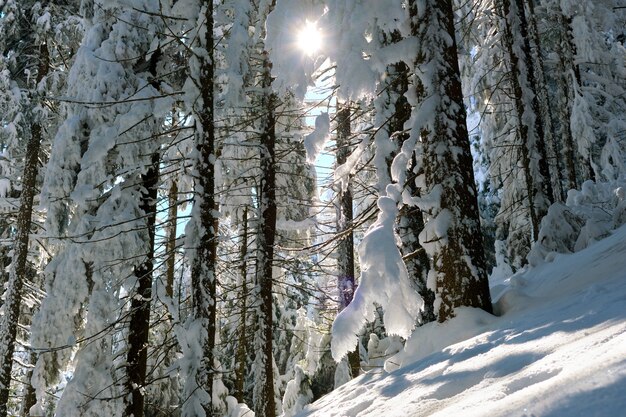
(199, 388)
(139, 314)
(240, 169)
(29, 52)
(162, 387)
(568, 82)
(346, 283)
(551, 36)
(513, 163)
(101, 188)
(17, 275)
(360, 61)
(243, 345)
(529, 120)
(295, 186)
(264, 400)
(237, 188)
(289, 266)
(586, 41)
(543, 104)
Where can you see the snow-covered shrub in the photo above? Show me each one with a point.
(235, 409)
(380, 349)
(297, 394)
(588, 215)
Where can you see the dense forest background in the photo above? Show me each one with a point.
(224, 206)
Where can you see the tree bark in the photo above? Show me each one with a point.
(346, 283)
(569, 83)
(30, 396)
(539, 125)
(139, 326)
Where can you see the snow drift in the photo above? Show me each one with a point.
(558, 348)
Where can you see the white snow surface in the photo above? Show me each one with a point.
(557, 348)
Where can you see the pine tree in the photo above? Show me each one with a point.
(508, 77)
(346, 282)
(139, 320)
(530, 122)
(8, 326)
(203, 269)
(568, 82)
(265, 403)
(101, 190)
(543, 104)
(34, 136)
(590, 120)
(241, 356)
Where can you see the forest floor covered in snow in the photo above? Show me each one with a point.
(557, 348)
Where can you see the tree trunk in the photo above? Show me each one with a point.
(552, 145)
(410, 221)
(345, 251)
(242, 358)
(30, 396)
(265, 404)
(170, 247)
(203, 270)
(346, 282)
(455, 239)
(139, 326)
(538, 188)
(13, 294)
(569, 83)
(539, 125)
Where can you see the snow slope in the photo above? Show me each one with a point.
(557, 349)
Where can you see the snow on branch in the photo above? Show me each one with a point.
(384, 280)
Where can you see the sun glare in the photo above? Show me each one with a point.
(309, 38)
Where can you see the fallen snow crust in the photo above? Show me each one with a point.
(557, 349)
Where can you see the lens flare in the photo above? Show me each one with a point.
(309, 38)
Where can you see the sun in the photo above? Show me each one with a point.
(309, 38)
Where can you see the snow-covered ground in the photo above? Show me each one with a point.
(558, 348)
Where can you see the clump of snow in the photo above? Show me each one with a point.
(379, 350)
(235, 54)
(384, 281)
(315, 141)
(235, 409)
(342, 372)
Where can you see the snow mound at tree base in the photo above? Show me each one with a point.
(558, 348)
